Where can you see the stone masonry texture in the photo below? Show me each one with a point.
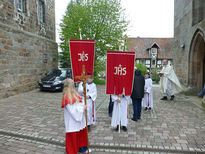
(27, 47)
(185, 27)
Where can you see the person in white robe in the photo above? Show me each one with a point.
(91, 95)
(74, 118)
(169, 83)
(147, 101)
(120, 112)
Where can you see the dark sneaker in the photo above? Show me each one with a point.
(134, 119)
(145, 109)
(117, 128)
(172, 98)
(124, 128)
(164, 98)
(150, 108)
(89, 128)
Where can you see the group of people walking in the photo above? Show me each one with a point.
(141, 96)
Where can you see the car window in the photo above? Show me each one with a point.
(54, 72)
(63, 74)
(69, 72)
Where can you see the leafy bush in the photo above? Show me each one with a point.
(141, 67)
(154, 75)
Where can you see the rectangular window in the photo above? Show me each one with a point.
(153, 62)
(198, 11)
(147, 62)
(159, 62)
(20, 5)
(41, 11)
(24, 4)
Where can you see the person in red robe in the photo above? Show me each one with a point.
(74, 118)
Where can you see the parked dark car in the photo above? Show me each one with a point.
(54, 79)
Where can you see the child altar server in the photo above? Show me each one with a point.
(148, 98)
(74, 118)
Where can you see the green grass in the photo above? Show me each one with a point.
(99, 81)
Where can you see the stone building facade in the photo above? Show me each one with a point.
(151, 51)
(189, 42)
(27, 44)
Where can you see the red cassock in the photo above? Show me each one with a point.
(82, 53)
(77, 139)
(120, 72)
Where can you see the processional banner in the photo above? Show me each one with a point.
(120, 72)
(82, 52)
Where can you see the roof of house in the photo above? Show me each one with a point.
(142, 45)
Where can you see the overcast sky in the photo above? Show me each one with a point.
(148, 18)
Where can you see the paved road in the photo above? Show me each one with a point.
(32, 122)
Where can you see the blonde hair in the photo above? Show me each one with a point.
(70, 91)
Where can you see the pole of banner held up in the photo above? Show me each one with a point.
(83, 78)
(119, 105)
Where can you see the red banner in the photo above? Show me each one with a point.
(120, 72)
(82, 53)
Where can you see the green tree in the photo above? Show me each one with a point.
(100, 20)
(141, 67)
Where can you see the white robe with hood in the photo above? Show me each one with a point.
(91, 91)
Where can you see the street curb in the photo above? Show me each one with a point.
(104, 147)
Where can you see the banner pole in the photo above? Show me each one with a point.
(86, 118)
(85, 101)
(119, 41)
(119, 116)
(84, 90)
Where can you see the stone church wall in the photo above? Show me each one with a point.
(185, 25)
(27, 47)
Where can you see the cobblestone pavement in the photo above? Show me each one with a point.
(32, 122)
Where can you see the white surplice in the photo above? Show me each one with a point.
(147, 101)
(123, 116)
(169, 83)
(74, 117)
(91, 91)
